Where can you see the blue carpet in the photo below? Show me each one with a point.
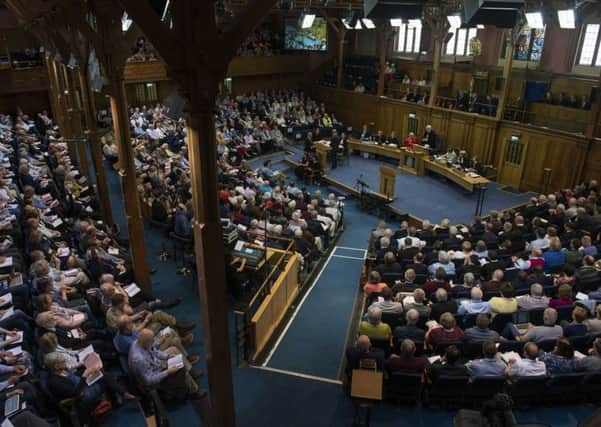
(428, 197)
(271, 399)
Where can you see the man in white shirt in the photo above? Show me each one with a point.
(528, 366)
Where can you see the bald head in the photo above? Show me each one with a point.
(363, 343)
(146, 338)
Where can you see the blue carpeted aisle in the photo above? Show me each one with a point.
(428, 197)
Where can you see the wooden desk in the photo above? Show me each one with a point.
(457, 176)
(390, 151)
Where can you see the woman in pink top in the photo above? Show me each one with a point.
(373, 283)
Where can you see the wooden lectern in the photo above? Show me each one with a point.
(322, 151)
(412, 159)
(387, 180)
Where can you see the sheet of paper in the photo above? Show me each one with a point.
(9, 312)
(113, 251)
(79, 317)
(239, 245)
(582, 296)
(8, 262)
(6, 299)
(175, 361)
(132, 290)
(433, 359)
(15, 351)
(94, 378)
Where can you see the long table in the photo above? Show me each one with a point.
(457, 176)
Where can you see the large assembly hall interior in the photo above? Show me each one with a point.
(300, 213)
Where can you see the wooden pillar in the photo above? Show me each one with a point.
(383, 49)
(53, 93)
(340, 73)
(87, 100)
(131, 198)
(595, 115)
(506, 74)
(75, 113)
(210, 254)
(62, 106)
(438, 36)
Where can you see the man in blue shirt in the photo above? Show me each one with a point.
(489, 366)
(475, 305)
(182, 227)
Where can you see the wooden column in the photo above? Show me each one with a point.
(506, 74)
(131, 198)
(438, 36)
(89, 109)
(340, 73)
(383, 33)
(592, 127)
(62, 118)
(53, 93)
(209, 262)
(76, 113)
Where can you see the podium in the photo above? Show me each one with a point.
(387, 181)
(322, 150)
(412, 159)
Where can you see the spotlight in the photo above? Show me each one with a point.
(307, 20)
(566, 18)
(535, 20)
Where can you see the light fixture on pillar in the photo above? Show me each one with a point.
(72, 62)
(125, 22)
(368, 23)
(567, 19)
(535, 20)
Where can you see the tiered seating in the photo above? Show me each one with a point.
(496, 279)
(67, 288)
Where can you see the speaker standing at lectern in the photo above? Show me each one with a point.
(431, 140)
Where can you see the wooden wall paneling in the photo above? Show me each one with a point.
(592, 163)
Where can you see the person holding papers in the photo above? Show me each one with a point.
(89, 387)
(16, 376)
(526, 366)
(146, 365)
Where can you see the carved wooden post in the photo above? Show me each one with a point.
(510, 36)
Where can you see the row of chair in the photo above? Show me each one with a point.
(458, 391)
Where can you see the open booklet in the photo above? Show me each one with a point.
(92, 361)
(176, 362)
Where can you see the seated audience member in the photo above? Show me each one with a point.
(565, 297)
(549, 330)
(467, 285)
(410, 330)
(65, 384)
(506, 303)
(594, 325)
(387, 305)
(587, 248)
(567, 277)
(407, 284)
(446, 332)
(438, 282)
(554, 258)
(149, 367)
(390, 265)
(592, 362)
(417, 302)
(374, 284)
(536, 299)
(443, 262)
(474, 305)
(528, 365)
(481, 332)
(363, 350)
(406, 360)
(373, 327)
(450, 365)
(588, 277)
(495, 283)
(489, 365)
(442, 304)
(576, 328)
(561, 360)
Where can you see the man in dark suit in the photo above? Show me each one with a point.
(334, 144)
(431, 139)
(449, 365)
(363, 350)
(410, 330)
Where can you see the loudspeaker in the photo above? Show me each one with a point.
(498, 13)
(387, 9)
